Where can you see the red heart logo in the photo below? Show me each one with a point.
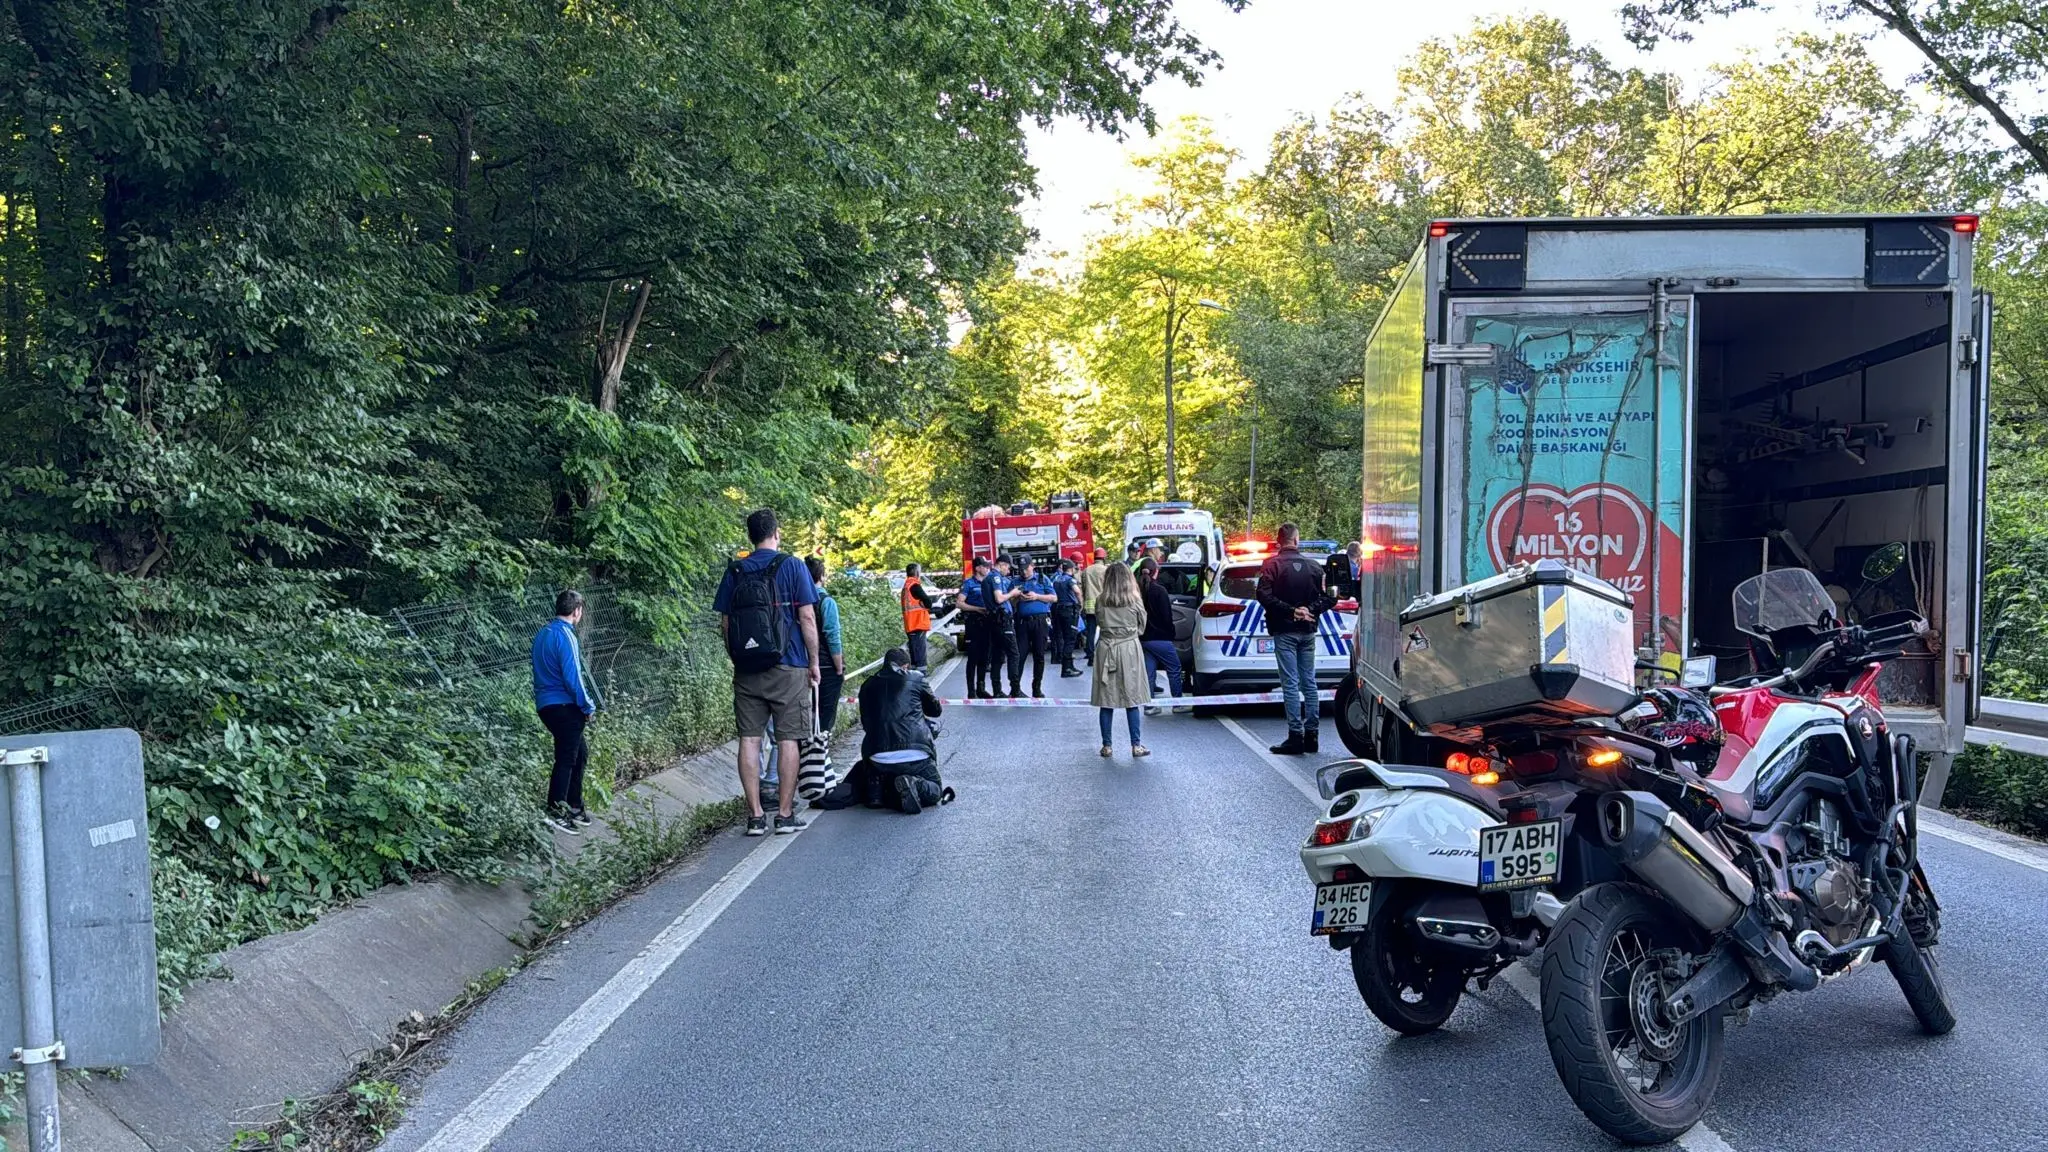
(1599, 529)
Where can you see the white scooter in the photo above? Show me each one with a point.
(1396, 860)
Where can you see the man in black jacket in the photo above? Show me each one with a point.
(1292, 593)
(896, 746)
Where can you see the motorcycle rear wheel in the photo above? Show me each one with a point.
(1397, 981)
(1641, 1081)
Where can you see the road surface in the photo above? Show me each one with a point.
(1105, 954)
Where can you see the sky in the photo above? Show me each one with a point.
(1282, 57)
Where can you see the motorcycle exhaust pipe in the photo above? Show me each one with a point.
(1672, 856)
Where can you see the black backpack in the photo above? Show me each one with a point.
(755, 633)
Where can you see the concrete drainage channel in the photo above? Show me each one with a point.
(301, 1009)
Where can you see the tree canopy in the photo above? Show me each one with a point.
(1514, 117)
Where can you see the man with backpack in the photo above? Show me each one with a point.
(768, 615)
(1292, 593)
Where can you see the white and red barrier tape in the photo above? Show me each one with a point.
(1157, 701)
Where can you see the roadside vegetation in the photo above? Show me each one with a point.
(314, 311)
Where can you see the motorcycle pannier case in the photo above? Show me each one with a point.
(1539, 643)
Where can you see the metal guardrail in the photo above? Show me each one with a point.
(2018, 725)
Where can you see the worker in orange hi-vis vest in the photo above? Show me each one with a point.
(917, 615)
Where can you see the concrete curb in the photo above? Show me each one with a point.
(301, 1009)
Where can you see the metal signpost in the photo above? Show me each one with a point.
(77, 936)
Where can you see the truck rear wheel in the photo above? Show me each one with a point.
(1354, 718)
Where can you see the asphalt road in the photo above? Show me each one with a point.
(1096, 954)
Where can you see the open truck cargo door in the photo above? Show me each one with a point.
(1575, 446)
(1966, 686)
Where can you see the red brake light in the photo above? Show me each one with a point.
(1214, 608)
(1346, 874)
(1438, 228)
(1964, 224)
(1333, 832)
(1467, 765)
(1524, 815)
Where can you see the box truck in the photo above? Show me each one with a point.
(1674, 405)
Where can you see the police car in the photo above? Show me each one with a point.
(1232, 651)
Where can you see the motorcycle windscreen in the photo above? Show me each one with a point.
(1575, 447)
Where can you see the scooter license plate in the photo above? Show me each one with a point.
(1340, 908)
(1519, 855)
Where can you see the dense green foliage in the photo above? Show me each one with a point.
(312, 308)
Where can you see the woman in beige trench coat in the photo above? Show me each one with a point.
(1120, 678)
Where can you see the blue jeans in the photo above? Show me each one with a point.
(1160, 654)
(1131, 720)
(1295, 653)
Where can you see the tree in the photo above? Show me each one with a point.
(1982, 51)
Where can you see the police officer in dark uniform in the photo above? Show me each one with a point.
(998, 593)
(1035, 598)
(974, 628)
(1066, 617)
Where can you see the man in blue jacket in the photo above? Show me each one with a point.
(564, 706)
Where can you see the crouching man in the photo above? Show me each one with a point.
(899, 765)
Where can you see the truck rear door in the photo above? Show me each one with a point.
(1574, 443)
(1966, 563)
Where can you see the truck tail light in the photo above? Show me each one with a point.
(1439, 228)
(1965, 224)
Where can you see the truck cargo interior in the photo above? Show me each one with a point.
(1816, 449)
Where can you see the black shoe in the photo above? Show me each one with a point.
(1038, 691)
(1311, 741)
(1070, 673)
(784, 825)
(1292, 746)
(906, 796)
(757, 825)
(1016, 693)
(583, 818)
(562, 821)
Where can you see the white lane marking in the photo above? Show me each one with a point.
(2018, 856)
(1524, 981)
(1271, 761)
(945, 670)
(473, 1129)
(1698, 1138)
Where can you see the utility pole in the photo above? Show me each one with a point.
(1173, 323)
(1251, 482)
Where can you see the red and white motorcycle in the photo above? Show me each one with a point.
(1716, 848)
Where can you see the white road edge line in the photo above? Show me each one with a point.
(1986, 844)
(487, 1116)
(1698, 1138)
(1271, 761)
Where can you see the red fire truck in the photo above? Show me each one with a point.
(1062, 528)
